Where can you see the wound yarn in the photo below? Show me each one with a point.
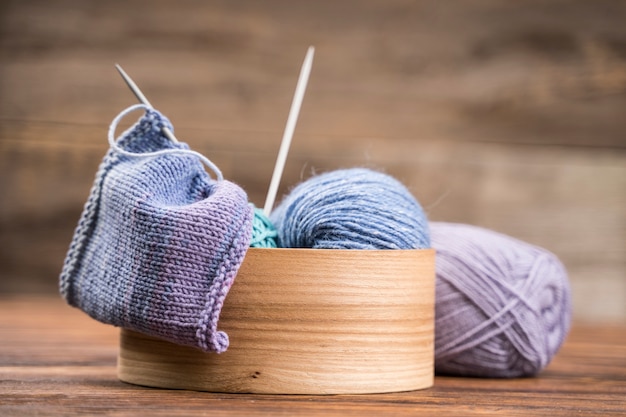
(264, 233)
(159, 241)
(503, 307)
(355, 208)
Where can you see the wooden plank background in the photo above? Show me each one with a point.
(507, 115)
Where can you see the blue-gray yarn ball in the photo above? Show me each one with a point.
(354, 208)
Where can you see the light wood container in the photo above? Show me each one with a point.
(308, 321)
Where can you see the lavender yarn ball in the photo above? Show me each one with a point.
(354, 208)
(503, 307)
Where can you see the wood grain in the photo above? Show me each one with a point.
(56, 361)
(305, 321)
(501, 114)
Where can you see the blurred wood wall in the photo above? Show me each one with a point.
(507, 115)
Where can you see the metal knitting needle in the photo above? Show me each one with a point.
(142, 99)
(296, 103)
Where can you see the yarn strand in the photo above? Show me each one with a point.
(170, 151)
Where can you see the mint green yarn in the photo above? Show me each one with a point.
(263, 231)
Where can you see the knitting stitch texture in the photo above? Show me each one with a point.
(159, 242)
(354, 208)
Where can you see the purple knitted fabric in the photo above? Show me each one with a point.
(503, 306)
(159, 242)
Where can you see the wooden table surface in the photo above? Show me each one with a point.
(54, 360)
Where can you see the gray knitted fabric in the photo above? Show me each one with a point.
(159, 242)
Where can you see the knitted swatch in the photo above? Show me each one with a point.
(159, 242)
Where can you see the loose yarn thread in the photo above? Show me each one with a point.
(158, 121)
(354, 208)
(503, 307)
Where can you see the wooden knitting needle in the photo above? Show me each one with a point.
(289, 128)
(142, 99)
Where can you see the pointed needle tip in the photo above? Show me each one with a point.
(119, 69)
(142, 99)
(133, 87)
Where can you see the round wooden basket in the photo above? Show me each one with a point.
(308, 321)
